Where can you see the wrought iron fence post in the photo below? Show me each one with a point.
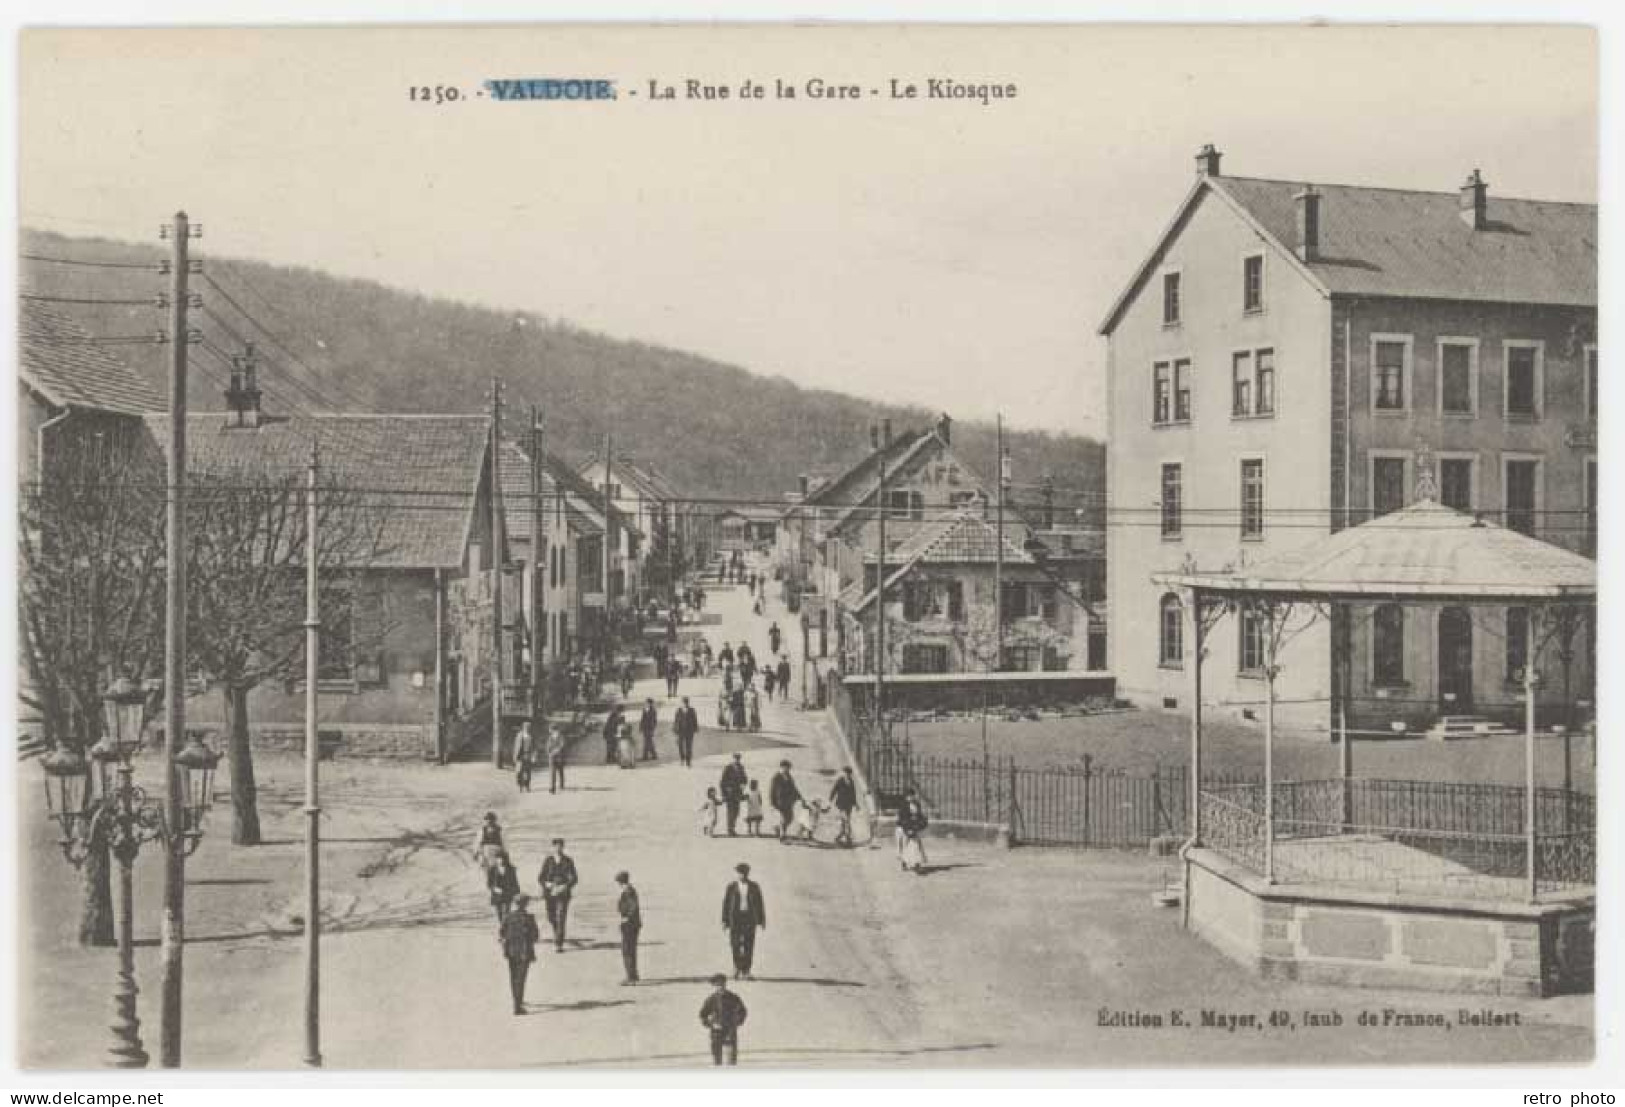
(1088, 774)
(1012, 806)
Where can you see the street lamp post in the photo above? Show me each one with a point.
(125, 818)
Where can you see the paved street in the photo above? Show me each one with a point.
(996, 958)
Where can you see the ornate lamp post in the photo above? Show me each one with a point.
(124, 818)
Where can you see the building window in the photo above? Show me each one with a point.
(961, 498)
(1171, 633)
(1241, 383)
(1456, 483)
(1252, 283)
(1182, 390)
(1170, 299)
(1252, 382)
(1252, 498)
(1390, 373)
(919, 658)
(1387, 485)
(903, 503)
(1522, 494)
(1458, 376)
(956, 601)
(1523, 379)
(1250, 650)
(1162, 392)
(1173, 492)
(1591, 382)
(1388, 646)
(1264, 392)
(1517, 642)
(335, 656)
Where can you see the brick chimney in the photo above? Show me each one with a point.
(1474, 204)
(945, 429)
(1207, 161)
(1308, 204)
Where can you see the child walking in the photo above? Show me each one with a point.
(708, 813)
(753, 810)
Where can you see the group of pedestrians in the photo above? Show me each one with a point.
(797, 818)
(529, 754)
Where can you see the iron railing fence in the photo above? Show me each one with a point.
(1430, 837)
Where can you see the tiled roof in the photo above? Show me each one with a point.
(56, 359)
(584, 517)
(963, 538)
(1408, 244)
(424, 469)
(898, 468)
(1389, 242)
(1422, 551)
(864, 472)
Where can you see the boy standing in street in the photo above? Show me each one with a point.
(723, 1013)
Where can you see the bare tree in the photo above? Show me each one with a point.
(246, 593)
(91, 545)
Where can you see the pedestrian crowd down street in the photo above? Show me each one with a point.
(796, 818)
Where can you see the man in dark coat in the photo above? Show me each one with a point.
(686, 724)
(784, 796)
(784, 678)
(773, 635)
(723, 1013)
(558, 880)
(844, 798)
(612, 733)
(734, 782)
(743, 911)
(519, 938)
(631, 923)
(674, 673)
(647, 723)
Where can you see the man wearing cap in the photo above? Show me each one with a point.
(519, 936)
(631, 923)
(687, 724)
(784, 796)
(558, 880)
(743, 910)
(734, 781)
(723, 1013)
(647, 724)
(555, 759)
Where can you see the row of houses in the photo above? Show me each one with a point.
(963, 587)
(412, 669)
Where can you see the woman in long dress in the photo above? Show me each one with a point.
(624, 749)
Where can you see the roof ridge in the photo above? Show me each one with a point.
(1300, 182)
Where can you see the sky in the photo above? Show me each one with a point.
(940, 252)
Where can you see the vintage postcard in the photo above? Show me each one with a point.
(807, 547)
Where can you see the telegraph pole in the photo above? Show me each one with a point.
(173, 932)
(880, 604)
(538, 551)
(998, 551)
(609, 533)
(313, 643)
(496, 573)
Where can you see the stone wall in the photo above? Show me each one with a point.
(1386, 942)
(966, 691)
(406, 742)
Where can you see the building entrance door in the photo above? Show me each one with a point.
(1455, 661)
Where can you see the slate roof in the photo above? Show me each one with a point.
(56, 360)
(425, 468)
(1425, 551)
(1410, 244)
(864, 472)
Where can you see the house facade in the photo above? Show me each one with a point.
(410, 672)
(941, 609)
(1295, 358)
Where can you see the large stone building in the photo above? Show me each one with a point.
(1293, 358)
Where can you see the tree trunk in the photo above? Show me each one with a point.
(96, 912)
(245, 814)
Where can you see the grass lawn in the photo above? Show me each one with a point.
(1137, 742)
